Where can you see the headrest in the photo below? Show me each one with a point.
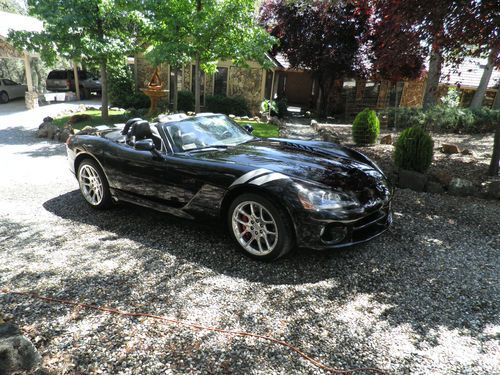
(129, 123)
(141, 130)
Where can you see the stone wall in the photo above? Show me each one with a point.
(247, 82)
(413, 94)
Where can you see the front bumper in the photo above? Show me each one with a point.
(313, 233)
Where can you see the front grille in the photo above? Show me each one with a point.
(370, 225)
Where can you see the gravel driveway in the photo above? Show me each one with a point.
(422, 299)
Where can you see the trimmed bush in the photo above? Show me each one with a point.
(444, 119)
(185, 101)
(282, 107)
(366, 127)
(235, 105)
(414, 150)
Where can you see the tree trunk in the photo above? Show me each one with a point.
(496, 103)
(495, 158)
(104, 89)
(77, 80)
(477, 99)
(175, 93)
(431, 88)
(197, 86)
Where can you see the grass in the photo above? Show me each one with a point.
(262, 130)
(259, 129)
(95, 120)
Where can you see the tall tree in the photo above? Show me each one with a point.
(322, 36)
(96, 31)
(205, 31)
(484, 26)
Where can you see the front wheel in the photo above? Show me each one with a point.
(4, 97)
(93, 184)
(262, 230)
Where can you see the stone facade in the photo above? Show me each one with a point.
(247, 82)
(413, 94)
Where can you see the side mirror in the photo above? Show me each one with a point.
(248, 128)
(144, 145)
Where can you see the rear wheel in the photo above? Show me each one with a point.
(4, 97)
(262, 230)
(93, 184)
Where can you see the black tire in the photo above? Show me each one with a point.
(90, 168)
(4, 97)
(283, 242)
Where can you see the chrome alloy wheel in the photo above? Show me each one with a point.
(91, 185)
(254, 228)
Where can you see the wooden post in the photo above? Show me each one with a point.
(77, 79)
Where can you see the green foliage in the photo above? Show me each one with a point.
(402, 118)
(185, 101)
(269, 106)
(122, 92)
(11, 6)
(444, 119)
(452, 98)
(366, 127)
(236, 105)
(414, 150)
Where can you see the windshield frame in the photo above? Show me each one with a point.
(175, 150)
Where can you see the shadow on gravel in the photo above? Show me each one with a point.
(46, 151)
(425, 283)
(18, 136)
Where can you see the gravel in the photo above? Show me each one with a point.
(421, 299)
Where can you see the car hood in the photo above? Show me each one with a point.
(320, 163)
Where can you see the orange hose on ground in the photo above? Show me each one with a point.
(200, 327)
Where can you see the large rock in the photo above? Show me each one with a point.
(314, 125)
(386, 140)
(494, 189)
(47, 130)
(329, 135)
(461, 186)
(450, 148)
(434, 187)
(276, 121)
(442, 177)
(264, 117)
(412, 180)
(17, 353)
(79, 118)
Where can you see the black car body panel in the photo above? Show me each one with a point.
(201, 184)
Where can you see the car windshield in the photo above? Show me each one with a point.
(200, 133)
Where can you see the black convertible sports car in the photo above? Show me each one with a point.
(272, 193)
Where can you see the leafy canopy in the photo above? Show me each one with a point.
(206, 30)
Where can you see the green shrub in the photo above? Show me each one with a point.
(122, 91)
(269, 106)
(414, 150)
(282, 106)
(185, 101)
(235, 105)
(366, 127)
(403, 118)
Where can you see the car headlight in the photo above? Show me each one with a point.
(318, 199)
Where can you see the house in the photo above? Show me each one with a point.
(254, 82)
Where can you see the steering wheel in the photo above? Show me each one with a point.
(226, 134)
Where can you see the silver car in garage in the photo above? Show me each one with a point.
(11, 90)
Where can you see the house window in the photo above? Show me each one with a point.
(220, 81)
(202, 83)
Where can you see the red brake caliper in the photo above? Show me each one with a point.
(245, 219)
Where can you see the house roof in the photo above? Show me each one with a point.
(468, 74)
(18, 22)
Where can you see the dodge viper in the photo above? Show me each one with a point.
(273, 194)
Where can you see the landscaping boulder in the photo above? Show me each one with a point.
(79, 118)
(442, 177)
(276, 121)
(314, 124)
(48, 119)
(17, 353)
(245, 118)
(494, 189)
(328, 135)
(87, 130)
(264, 117)
(412, 180)
(66, 132)
(386, 140)
(232, 116)
(450, 148)
(461, 186)
(237, 118)
(468, 152)
(434, 187)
